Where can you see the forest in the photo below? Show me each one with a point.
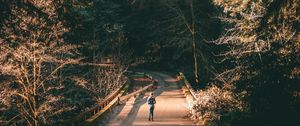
(60, 57)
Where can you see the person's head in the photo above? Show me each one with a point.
(151, 94)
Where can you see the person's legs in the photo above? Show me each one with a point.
(149, 113)
(152, 112)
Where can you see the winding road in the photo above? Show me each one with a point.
(170, 109)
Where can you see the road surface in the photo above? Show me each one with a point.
(170, 108)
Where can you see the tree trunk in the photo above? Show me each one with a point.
(195, 59)
(36, 121)
(194, 43)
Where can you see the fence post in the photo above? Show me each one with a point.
(118, 102)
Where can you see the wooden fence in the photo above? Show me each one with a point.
(187, 88)
(126, 97)
(89, 115)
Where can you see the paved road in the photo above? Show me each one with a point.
(170, 109)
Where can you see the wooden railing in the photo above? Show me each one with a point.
(145, 75)
(91, 116)
(149, 76)
(187, 86)
(85, 117)
(146, 88)
(126, 97)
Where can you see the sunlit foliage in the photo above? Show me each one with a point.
(261, 50)
(43, 77)
(214, 102)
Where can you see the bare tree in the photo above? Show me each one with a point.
(255, 30)
(111, 77)
(254, 27)
(32, 52)
(191, 23)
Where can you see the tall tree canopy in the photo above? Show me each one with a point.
(59, 58)
(175, 33)
(262, 44)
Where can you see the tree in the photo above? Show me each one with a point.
(261, 40)
(103, 41)
(33, 51)
(174, 33)
(190, 26)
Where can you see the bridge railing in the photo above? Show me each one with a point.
(82, 117)
(90, 116)
(187, 86)
(126, 97)
(190, 93)
(146, 88)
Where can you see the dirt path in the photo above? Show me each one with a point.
(170, 109)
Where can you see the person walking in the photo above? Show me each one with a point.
(151, 101)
